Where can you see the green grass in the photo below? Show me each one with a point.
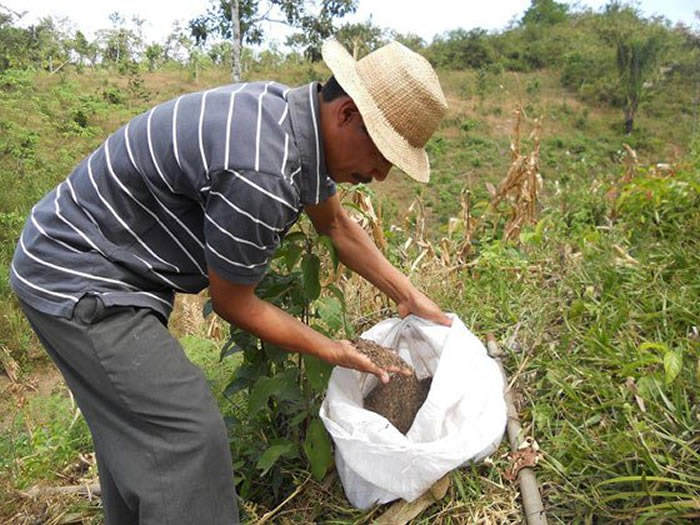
(42, 439)
(596, 341)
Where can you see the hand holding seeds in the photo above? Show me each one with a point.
(370, 357)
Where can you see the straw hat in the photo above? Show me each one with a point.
(399, 97)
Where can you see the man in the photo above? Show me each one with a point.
(198, 192)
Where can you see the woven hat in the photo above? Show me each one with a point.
(399, 97)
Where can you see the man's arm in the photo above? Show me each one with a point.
(357, 251)
(238, 304)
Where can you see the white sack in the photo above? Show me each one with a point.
(462, 420)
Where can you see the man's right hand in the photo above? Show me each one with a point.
(346, 355)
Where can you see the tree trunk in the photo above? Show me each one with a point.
(236, 37)
(630, 111)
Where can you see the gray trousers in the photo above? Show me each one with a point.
(161, 445)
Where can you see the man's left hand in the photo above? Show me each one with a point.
(418, 304)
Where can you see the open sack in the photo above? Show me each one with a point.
(462, 420)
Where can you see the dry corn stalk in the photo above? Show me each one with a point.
(9, 365)
(522, 182)
(469, 222)
(370, 220)
(631, 163)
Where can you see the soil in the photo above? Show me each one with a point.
(400, 399)
(381, 356)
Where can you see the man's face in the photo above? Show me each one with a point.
(351, 156)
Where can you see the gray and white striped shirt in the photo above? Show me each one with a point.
(208, 180)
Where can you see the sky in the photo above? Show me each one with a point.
(415, 16)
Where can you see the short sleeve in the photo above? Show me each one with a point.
(327, 189)
(316, 188)
(246, 216)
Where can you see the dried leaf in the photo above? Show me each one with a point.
(520, 459)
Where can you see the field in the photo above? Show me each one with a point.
(595, 301)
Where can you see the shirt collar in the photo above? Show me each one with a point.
(304, 112)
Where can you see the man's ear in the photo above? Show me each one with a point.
(347, 111)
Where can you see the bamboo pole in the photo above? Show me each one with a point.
(529, 491)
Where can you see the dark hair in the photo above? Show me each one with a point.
(332, 90)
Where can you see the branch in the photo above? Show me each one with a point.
(88, 489)
(59, 67)
(274, 511)
(261, 18)
(12, 11)
(285, 22)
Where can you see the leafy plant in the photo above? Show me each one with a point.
(277, 426)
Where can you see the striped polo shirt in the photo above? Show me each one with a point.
(208, 180)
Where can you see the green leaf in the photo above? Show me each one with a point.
(275, 353)
(326, 241)
(282, 386)
(576, 309)
(311, 268)
(298, 418)
(273, 453)
(244, 377)
(355, 208)
(292, 255)
(647, 387)
(229, 348)
(317, 447)
(273, 286)
(294, 237)
(673, 361)
(260, 393)
(317, 372)
(661, 347)
(338, 293)
(331, 312)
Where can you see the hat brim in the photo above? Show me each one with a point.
(396, 149)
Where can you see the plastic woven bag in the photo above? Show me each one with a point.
(462, 420)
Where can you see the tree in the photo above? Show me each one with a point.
(545, 12)
(220, 53)
(638, 47)
(182, 47)
(636, 58)
(362, 38)
(121, 44)
(314, 28)
(461, 49)
(241, 22)
(85, 50)
(14, 41)
(154, 53)
(410, 40)
(49, 43)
